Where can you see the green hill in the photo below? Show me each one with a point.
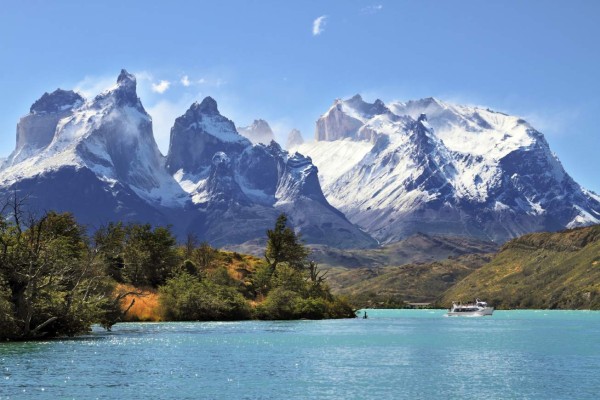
(540, 270)
(413, 282)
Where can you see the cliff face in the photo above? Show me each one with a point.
(36, 129)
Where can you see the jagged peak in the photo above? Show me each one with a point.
(274, 146)
(258, 126)
(59, 100)
(260, 123)
(294, 138)
(366, 109)
(207, 106)
(299, 160)
(124, 92)
(125, 78)
(204, 117)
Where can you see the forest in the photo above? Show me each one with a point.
(57, 279)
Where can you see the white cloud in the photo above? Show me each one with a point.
(163, 116)
(161, 86)
(319, 25)
(185, 81)
(90, 86)
(372, 9)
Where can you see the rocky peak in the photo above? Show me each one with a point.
(200, 133)
(124, 92)
(207, 106)
(346, 117)
(294, 139)
(258, 132)
(35, 130)
(126, 79)
(364, 109)
(222, 188)
(57, 101)
(300, 179)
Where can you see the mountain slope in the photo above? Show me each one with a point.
(412, 282)
(540, 270)
(101, 161)
(434, 167)
(258, 132)
(240, 188)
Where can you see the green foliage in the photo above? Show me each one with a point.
(283, 245)
(204, 255)
(285, 304)
(50, 282)
(289, 278)
(8, 325)
(220, 276)
(186, 298)
(261, 280)
(56, 281)
(189, 267)
(281, 304)
(138, 254)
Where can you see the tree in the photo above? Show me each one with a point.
(148, 255)
(283, 245)
(191, 242)
(50, 283)
(204, 255)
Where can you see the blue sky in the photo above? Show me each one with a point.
(271, 60)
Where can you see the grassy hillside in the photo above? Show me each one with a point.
(147, 306)
(413, 282)
(418, 248)
(540, 270)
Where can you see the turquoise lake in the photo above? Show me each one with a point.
(394, 354)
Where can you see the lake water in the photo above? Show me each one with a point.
(395, 354)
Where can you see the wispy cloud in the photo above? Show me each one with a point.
(185, 81)
(161, 86)
(163, 115)
(319, 25)
(90, 86)
(372, 9)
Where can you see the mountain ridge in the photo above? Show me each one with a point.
(432, 166)
(102, 162)
(376, 170)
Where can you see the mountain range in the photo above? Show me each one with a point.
(375, 173)
(440, 168)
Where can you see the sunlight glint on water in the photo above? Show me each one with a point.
(395, 354)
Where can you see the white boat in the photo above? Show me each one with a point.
(477, 309)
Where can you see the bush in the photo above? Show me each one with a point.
(186, 298)
(281, 304)
(312, 308)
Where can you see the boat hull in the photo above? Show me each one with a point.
(479, 313)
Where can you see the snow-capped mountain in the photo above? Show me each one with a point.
(294, 139)
(99, 160)
(240, 188)
(35, 130)
(393, 169)
(435, 167)
(258, 132)
(96, 158)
